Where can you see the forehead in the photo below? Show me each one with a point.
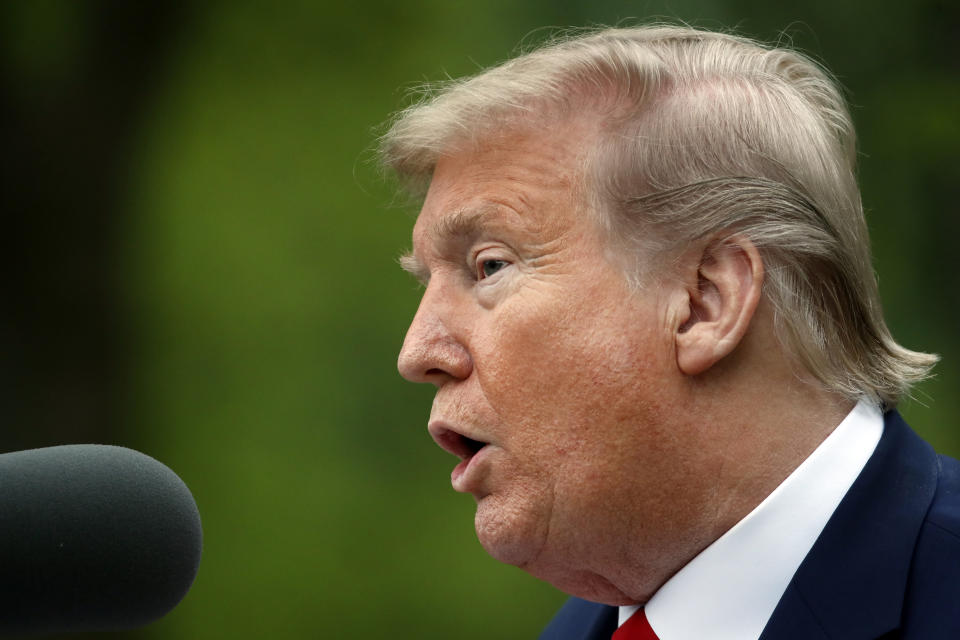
(525, 181)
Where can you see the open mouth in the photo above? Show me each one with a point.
(473, 446)
(456, 443)
(466, 477)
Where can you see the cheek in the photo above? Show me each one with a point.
(572, 375)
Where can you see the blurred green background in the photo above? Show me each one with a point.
(201, 265)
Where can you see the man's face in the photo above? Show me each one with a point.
(554, 380)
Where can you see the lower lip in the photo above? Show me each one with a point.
(464, 474)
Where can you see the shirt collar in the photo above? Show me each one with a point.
(729, 590)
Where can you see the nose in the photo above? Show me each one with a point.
(432, 352)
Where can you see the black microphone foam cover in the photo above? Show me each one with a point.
(92, 538)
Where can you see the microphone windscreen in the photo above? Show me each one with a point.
(92, 538)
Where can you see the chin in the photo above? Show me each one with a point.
(508, 533)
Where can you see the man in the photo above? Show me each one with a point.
(656, 339)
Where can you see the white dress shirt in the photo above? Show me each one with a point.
(729, 590)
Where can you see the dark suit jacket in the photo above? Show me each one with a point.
(887, 565)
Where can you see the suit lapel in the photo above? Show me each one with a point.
(851, 585)
(582, 620)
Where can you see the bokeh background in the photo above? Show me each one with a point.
(201, 265)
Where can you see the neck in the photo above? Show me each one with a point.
(766, 417)
(754, 418)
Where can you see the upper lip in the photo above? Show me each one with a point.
(453, 441)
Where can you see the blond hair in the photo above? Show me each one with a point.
(702, 133)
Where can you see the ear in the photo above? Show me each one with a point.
(721, 300)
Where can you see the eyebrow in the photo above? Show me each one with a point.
(464, 223)
(412, 265)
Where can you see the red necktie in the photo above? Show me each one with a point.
(635, 628)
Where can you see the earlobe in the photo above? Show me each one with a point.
(721, 301)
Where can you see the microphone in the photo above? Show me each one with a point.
(92, 538)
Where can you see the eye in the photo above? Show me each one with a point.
(490, 267)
